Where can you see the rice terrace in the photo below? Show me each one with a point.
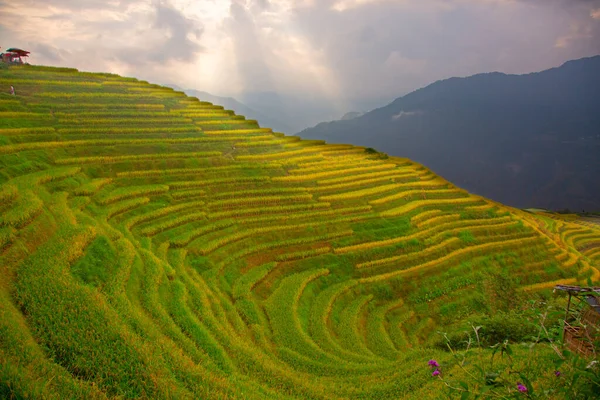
(153, 245)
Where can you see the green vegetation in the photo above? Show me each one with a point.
(156, 246)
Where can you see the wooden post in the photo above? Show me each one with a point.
(568, 306)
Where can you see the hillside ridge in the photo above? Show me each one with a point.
(153, 245)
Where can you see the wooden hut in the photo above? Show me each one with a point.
(14, 56)
(582, 319)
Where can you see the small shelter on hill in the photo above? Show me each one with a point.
(582, 319)
(14, 56)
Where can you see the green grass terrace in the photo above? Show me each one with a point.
(153, 245)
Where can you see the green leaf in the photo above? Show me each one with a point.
(484, 389)
(491, 378)
(481, 371)
(495, 347)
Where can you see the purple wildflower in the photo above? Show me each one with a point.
(436, 372)
(557, 373)
(433, 364)
(522, 388)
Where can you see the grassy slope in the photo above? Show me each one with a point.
(152, 245)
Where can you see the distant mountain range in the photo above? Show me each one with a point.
(239, 108)
(525, 140)
(297, 112)
(283, 112)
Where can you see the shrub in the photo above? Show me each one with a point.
(502, 326)
(98, 263)
(456, 340)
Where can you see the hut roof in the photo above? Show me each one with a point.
(579, 290)
(22, 53)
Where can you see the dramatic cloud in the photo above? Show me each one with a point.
(386, 47)
(336, 54)
(143, 38)
(251, 58)
(50, 53)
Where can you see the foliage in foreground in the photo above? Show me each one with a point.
(520, 365)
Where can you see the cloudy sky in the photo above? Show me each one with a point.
(351, 53)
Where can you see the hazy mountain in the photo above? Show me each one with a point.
(239, 108)
(264, 119)
(297, 112)
(525, 140)
(282, 112)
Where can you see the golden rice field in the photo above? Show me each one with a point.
(156, 246)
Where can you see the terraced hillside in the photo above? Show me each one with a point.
(579, 235)
(153, 245)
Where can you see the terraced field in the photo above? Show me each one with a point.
(154, 245)
(578, 237)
